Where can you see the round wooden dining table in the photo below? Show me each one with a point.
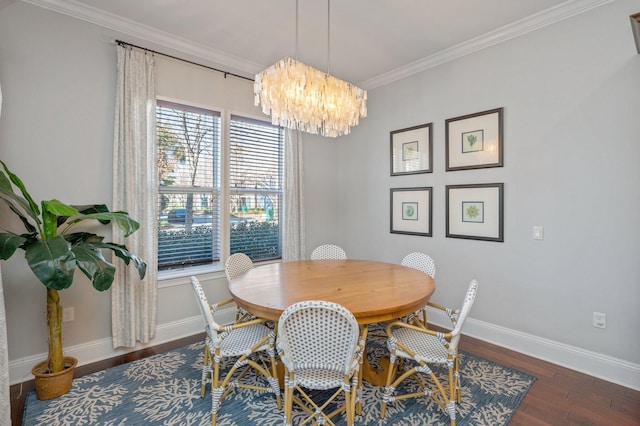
(373, 291)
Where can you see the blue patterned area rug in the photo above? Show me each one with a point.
(164, 389)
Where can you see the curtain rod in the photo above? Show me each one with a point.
(226, 73)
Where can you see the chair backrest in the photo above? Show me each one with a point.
(237, 264)
(421, 262)
(469, 297)
(328, 252)
(318, 333)
(210, 324)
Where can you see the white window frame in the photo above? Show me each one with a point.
(215, 270)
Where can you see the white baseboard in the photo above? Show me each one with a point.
(98, 350)
(598, 365)
(605, 367)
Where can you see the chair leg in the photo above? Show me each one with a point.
(206, 368)
(456, 373)
(216, 391)
(387, 391)
(273, 380)
(350, 406)
(288, 399)
(451, 403)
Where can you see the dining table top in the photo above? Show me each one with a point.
(373, 291)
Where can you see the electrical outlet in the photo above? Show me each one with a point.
(67, 314)
(599, 320)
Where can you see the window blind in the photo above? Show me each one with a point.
(188, 157)
(256, 187)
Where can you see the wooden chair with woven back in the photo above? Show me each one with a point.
(320, 346)
(250, 344)
(420, 349)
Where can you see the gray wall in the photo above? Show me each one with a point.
(570, 93)
(571, 102)
(56, 132)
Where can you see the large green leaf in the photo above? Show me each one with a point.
(94, 208)
(25, 221)
(123, 253)
(32, 206)
(52, 261)
(122, 219)
(78, 238)
(51, 210)
(5, 183)
(9, 243)
(93, 264)
(19, 205)
(82, 210)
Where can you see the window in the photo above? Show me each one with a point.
(256, 175)
(190, 194)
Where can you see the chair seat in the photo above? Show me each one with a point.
(427, 348)
(319, 379)
(242, 340)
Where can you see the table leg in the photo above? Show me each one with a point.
(375, 376)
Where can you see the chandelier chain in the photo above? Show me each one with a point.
(328, 36)
(297, 20)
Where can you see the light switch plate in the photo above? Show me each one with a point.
(538, 233)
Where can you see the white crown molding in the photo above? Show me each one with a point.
(143, 32)
(96, 16)
(532, 23)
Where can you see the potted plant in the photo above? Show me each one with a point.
(54, 253)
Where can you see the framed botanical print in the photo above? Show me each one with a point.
(412, 150)
(475, 211)
(411, 211)
(474, 141)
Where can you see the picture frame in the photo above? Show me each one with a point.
(475, 211)
(411, 211)
(412, 150)
(474, 141)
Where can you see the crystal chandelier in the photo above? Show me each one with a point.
(303, 98)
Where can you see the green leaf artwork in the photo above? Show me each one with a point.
(473, 211)
(410, 211)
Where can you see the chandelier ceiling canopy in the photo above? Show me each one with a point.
(300, 97)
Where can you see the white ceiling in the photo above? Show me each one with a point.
(373, 42)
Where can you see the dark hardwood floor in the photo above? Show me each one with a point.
(559, 396)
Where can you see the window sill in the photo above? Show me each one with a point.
(177, 277)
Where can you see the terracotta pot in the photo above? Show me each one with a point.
(48, 385)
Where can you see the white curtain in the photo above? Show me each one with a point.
(293, 232)
(133, 301)
(5, 406)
